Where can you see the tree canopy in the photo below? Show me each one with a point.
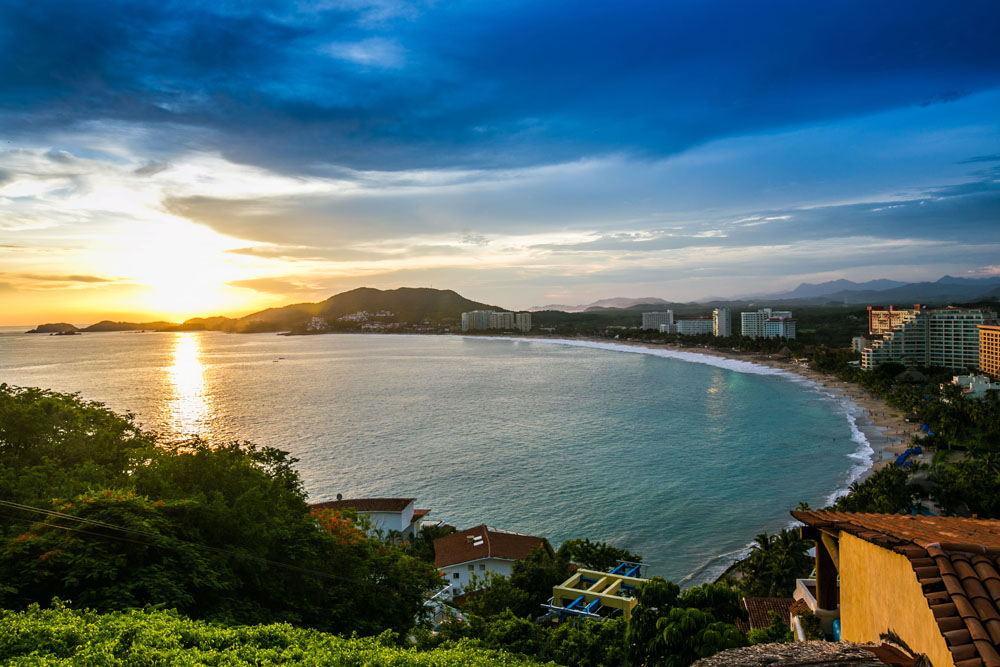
(102, 513)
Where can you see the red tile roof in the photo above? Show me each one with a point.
(420, 514)
(366, 504)
(481, 542)
(955, 561)
(758, 609)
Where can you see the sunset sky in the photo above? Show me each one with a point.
(178, 159)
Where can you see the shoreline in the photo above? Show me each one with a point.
(879, 429)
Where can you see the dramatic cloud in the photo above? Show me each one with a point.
(228, 155)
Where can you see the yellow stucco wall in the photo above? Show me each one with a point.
(880, 592)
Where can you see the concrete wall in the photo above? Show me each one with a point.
(879, 592)
(480, 568)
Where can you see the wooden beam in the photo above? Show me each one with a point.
(826, 578)
(832, 548)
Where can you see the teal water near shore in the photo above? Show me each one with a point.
(683, 461)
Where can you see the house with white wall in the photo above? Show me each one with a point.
(386, 514)
(480, 550)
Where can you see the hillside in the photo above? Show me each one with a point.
(53, 327)
(407, 304)
(108, 325)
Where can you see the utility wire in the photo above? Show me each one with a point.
(165, 538)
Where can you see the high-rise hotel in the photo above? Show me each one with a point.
(945, 337)
(767, 323)
(989, 350)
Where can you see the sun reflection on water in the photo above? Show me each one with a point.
(188, 405)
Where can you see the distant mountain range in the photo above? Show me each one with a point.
(810, 290)
(433, 307)
(617, 302)
(945, 290)
(406, 304)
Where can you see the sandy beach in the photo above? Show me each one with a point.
(885, 427)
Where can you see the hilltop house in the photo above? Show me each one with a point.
(480, 550)
(928, 584)
(386, 514)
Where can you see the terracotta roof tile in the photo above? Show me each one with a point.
(975, 589)
(956, 562)
(481, 542)
(993, 627)
(974, 662)
(957, 637)
(964, 652)
(944, 610)
(758, 608)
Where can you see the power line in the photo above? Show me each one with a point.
(180, 542)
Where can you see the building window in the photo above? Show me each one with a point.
(457, 575)
(482, 566)
(472, 568)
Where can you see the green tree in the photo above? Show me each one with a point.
(494, 594)
(717, 599)
(599, 556)
(218, 531)
(688, 634)
(778, 632)
(773, 564)
(886, 491)
(536, 574)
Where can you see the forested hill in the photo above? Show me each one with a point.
(402, 306)
(407, 304)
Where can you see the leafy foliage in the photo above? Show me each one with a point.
(536, 574)
(811, 624)
(599, 556)
(688, 634)
(970, 486)
(219, 532)
(774, 562)
(886, 491)
(61, 635)
(778, 632)
(493, 594)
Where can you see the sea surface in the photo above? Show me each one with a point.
(683, 460)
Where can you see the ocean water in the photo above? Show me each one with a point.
(682, 458)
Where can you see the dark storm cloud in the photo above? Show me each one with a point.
(296, 89)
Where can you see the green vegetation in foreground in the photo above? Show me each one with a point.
(95, 510)
(64, 636)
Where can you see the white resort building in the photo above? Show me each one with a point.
(692, 327)
(754, 324)
(387, 514)
(722, 322)
(479, 550)
(652, 321)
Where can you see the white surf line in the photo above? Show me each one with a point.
(863, 455)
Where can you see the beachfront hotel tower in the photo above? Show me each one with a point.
(722, 322)
(753, 324)
(944, 337)
(693, 327)
(652, 321)
(476, 320)
(989, 349)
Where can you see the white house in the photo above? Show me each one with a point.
(386, 514)
(480, 550)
